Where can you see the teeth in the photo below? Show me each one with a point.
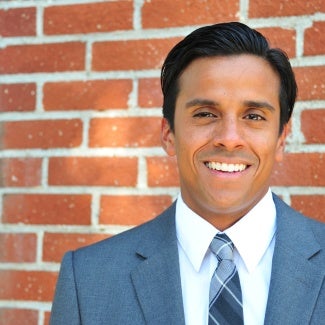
(226, 167)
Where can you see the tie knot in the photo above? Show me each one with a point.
(222, 247)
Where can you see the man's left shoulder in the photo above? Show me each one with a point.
(291, 220)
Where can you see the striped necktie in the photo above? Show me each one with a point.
(225, 298)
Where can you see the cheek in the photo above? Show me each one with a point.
(266, 152)
(187, 147)
(193, 142)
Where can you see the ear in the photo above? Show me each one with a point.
(167, 138)
(281, 144)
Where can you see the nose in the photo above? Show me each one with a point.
(229, 134)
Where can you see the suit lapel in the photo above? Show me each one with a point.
(157, 279)
(295, 280)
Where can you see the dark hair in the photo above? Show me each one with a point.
(222, 40)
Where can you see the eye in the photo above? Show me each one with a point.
(204, 114)
(254, 117)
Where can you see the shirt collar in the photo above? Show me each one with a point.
(194, 234)
(251, 235)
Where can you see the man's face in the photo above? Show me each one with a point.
(226, 136)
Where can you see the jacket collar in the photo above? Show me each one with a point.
(157, 279)
(295, 280)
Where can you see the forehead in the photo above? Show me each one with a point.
(244, 72)
(241, 63)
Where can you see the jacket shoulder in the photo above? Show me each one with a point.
(293, 225)
(155, 231)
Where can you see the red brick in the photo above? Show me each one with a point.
(56, 244)
(315, 39)
(18, 316)
(173, 13)
(300, 169)
(18, 22)
(274, 8)
(47, 209)
(47, 316)
(132, 54)
(97, 94)
(68, 56)
(150, 94)
(131, 210)
(310, 82)
(88, 18)
(27, 285)
(162, 171)
(312, 125)
(41, 134)
(20, 172)
(17, 97)
(284, 39)
(93, 171)
(125, 132)
(310, 205)
(18, 248)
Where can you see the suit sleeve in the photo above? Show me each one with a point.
(65, 308)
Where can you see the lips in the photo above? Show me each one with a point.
(223, 167)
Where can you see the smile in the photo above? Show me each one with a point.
(223, 167)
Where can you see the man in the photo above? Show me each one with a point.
(228, 98)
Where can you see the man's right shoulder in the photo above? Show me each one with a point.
(126, 242)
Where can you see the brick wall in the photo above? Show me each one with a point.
(79, 119)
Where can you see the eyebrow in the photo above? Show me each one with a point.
(248, 103)
(201, 102)
(259, 104)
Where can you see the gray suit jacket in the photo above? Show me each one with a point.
(133, 278)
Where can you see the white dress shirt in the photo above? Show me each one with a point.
(253, 237)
